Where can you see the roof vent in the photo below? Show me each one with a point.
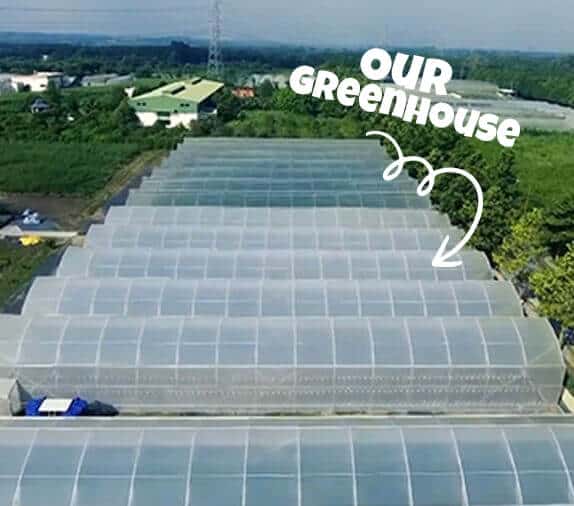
(196, 80)
(177, 89)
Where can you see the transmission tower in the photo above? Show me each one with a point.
(215, 59)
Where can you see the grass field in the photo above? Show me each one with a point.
(61, 169)
(545, 165)
(17, 265)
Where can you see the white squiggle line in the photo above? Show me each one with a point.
(394, 169)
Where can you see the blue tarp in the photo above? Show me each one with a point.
(33, 406)
(77, 407)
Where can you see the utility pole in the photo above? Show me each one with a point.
(215, 59)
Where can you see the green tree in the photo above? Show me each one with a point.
(228, 106)
(503, 172)
(288, 101)
(496, 218)
(266, 90)
(523, 249)
(554, 287)
(54, 97)
(124, 117)
(559, 225)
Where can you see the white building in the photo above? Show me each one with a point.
(37, 82)
(280, 81)
(177, 104)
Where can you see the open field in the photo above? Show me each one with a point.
(545, 165)
(71, 209)
(60, 169)
(18, 264)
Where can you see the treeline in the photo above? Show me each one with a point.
(545, 77)
(177, 58)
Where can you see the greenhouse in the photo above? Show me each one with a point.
(295, 463)
(217, 183)
(269, 298)
(266, 238)
(272, 198)
(272, 264)
(308, 365)
(234, 172)
(315, 162)
(215, 216)
(253, 276)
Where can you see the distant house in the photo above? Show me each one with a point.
(100, 80)
(243, 92)
(177, 104)
(280, 81)
(38, 81)
(39, 106)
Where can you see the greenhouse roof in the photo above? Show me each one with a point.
(272, 184)
(194, 90)
(317, 342)
(272, 264)
(257, 169)
(267, 238)
(194, 463)
(276, 217)
(254, 198)
(160, 297)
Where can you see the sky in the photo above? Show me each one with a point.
(529, 25)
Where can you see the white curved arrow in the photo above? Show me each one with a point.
(394, 169)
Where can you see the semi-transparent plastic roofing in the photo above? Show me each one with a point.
(332, 156)
(276, 217)
(286, 149)
(260, 184)
(315, 173)
(157, 297)
(267, 238)
(298, 152)
(271, 365)
(506, 343)
(273, 143)
(373, 199)
(348, 145)
(209, 264)
(296, 464)
(295, 147)
(358, 163)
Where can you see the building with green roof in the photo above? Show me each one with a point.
(177, 104)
